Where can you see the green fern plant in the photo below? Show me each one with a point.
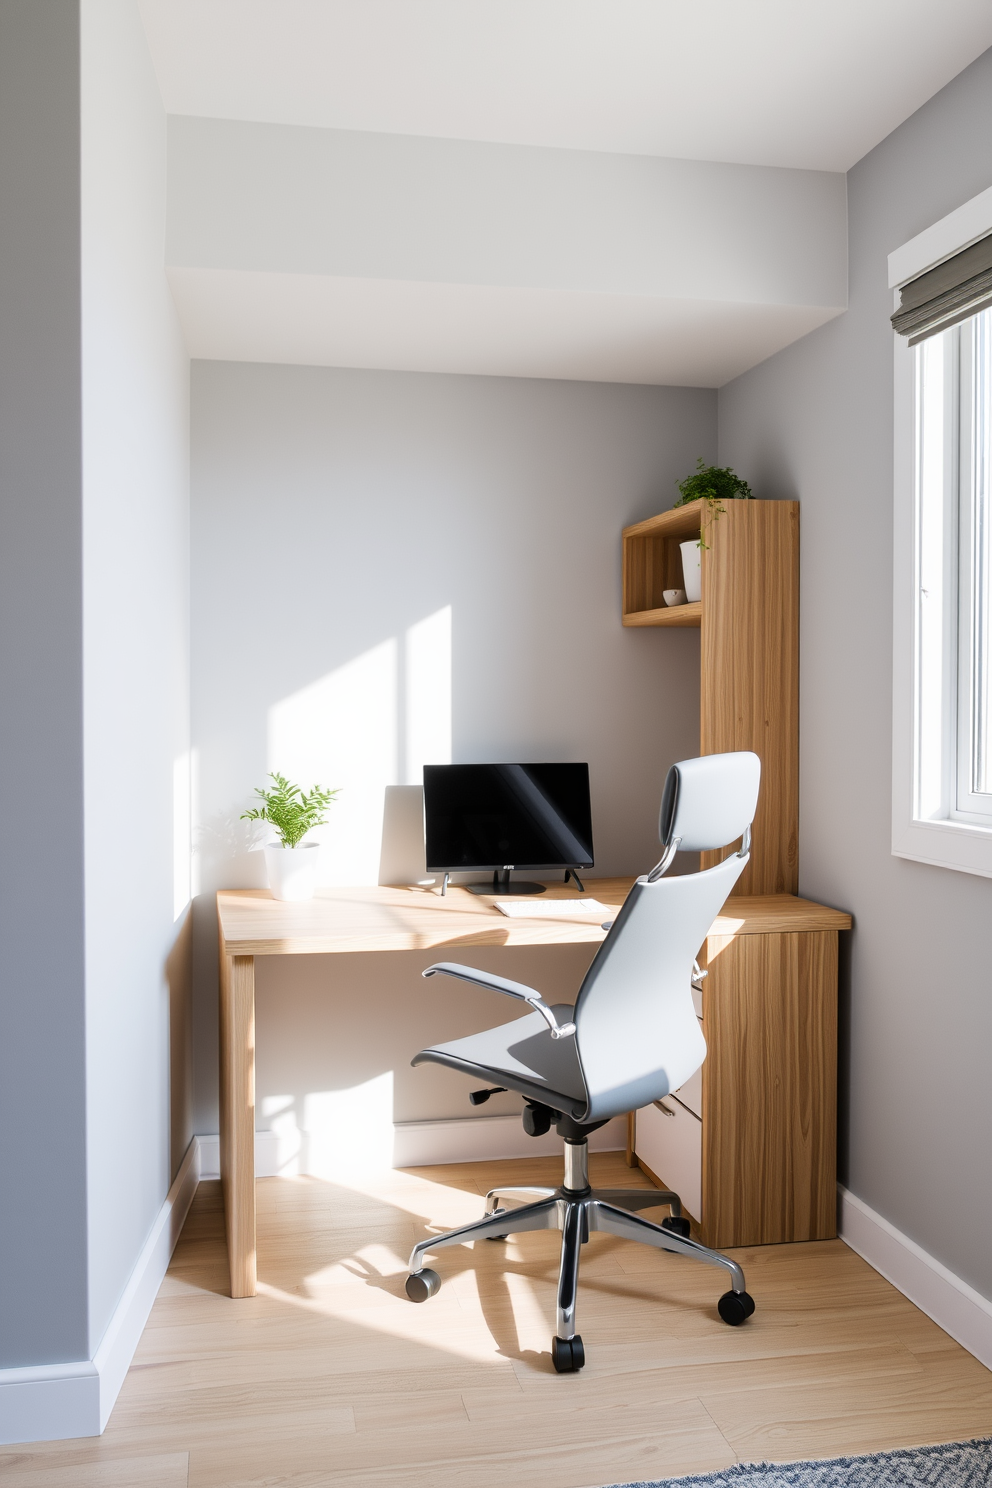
(292, 811)
(713, 484)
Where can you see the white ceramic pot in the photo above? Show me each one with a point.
(691, 553)
(292, 871)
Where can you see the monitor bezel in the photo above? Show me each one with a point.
(557, 867)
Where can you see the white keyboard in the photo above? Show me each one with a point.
(554, 909)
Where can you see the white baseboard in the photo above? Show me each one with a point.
(954, 1306)
(419, 1144)
(423, 1143)
(54, 1402)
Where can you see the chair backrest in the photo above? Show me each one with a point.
(637, 1034)
(710, 801)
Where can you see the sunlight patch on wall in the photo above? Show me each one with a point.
(341, 731)
(280, 1112)
(333, 1133)
(428, 694)
(349, 1131)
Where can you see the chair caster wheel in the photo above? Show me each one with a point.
(567, 1354)
(736, 1307)
(423, 1284)
(678, 1226)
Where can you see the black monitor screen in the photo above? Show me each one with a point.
(497, 816)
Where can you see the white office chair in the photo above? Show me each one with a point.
(631, 1038)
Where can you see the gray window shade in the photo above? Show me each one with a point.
(942, 296)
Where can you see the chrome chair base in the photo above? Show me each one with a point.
(576, 1210)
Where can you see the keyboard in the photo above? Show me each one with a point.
(554, 909)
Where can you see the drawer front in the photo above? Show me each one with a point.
(691, 1093)
(672, 1147)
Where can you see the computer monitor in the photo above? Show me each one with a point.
(501, 817)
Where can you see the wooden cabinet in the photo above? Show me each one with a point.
(754, 1149)
(754, 1143)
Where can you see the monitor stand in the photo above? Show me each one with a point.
(502, 885)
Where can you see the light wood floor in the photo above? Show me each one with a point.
(331, 1377)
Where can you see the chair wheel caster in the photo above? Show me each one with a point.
(678, 1226)
(567, 1354)
(423, 1284)
(736, 1307)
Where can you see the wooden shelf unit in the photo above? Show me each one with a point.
(753, 1141)
(749, 652)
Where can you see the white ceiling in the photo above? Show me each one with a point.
(766, 82)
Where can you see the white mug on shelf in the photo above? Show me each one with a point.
(673, 596)
(691, 553)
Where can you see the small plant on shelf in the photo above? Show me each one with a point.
(713, 484)
(292, 811)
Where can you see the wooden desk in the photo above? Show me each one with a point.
(339, 920)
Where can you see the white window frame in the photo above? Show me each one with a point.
(931, 569)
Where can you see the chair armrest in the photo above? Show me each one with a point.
(509, 989)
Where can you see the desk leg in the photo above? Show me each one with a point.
(237, 1117)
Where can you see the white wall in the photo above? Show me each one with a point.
(135, 657)
(815, 422)
(344, 524)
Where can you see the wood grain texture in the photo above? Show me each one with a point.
(396, 919)
(237, 1117)
(679, 617)
(749, 674)
(331, 1377)
(677, 524)
(770, 1089)
(161, 1471)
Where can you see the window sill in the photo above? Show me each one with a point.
(961, 846)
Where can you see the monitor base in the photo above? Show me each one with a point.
(501, 884)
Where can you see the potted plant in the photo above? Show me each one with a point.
(291, 863)
(713, 484)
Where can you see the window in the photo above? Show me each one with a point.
(942, 722)
(954, 706)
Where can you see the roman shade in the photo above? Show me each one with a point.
(947, 294)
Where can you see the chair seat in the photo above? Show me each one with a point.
(524, 1057)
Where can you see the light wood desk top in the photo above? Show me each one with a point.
(344, 919)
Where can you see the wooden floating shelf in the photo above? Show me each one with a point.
(687, 616)
(652, 563)
(681, 522)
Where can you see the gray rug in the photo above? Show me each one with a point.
(965, 1464)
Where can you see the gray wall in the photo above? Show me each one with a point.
(334, 511)
(135, 658)
(815, 422)
(43, 1249)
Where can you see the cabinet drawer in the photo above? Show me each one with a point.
(672, 1147)
(691, 1093)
